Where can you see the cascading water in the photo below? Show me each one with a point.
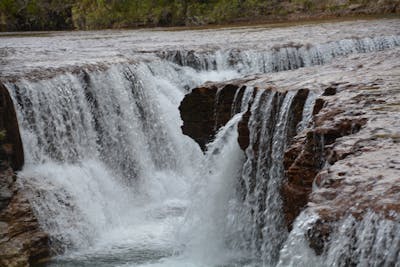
(263, 173)
(209, 229)
(115, 183)
(372, 241)
(105, 161)
(279, 58)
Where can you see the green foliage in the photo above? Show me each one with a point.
(91, 14)
(35, 14)
(333, 8)
(3, 135)
(99, 14)
(308, 5)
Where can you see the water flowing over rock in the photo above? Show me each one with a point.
(263, 49)
(277, 115)
(206, 109)
(11, 139)
(349, 170)
(105, 134)
(357, 189)
(21, 239)
(280, 57)
(315, 135)
(269, 120)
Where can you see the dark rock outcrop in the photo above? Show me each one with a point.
(208, 108)
(21, 240)
(11, 141)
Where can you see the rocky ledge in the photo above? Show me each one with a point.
(21, 240)
(345, 161)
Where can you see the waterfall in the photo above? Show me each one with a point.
(209, 226)
(371, 241)
(262, 174)
(99, 146)
(108, 171)
(307, 111)
(278, 58)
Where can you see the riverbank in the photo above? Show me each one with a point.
(95, 15)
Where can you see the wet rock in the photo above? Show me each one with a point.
(12, 144)
(208, 108)
(296, 112)
(344, 163)
(244, 131)
(307, 155)
(343, 111)
(318, 235)
(21, 240)
(184, 58)
(329, 91)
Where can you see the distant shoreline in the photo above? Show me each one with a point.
(276, 23)
(264, 23)
(177, 14)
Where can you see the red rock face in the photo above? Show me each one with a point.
(346, 162)
(363, 171)
(21, 240)
(310, 150)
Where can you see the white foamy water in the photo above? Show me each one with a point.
(108, 171)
